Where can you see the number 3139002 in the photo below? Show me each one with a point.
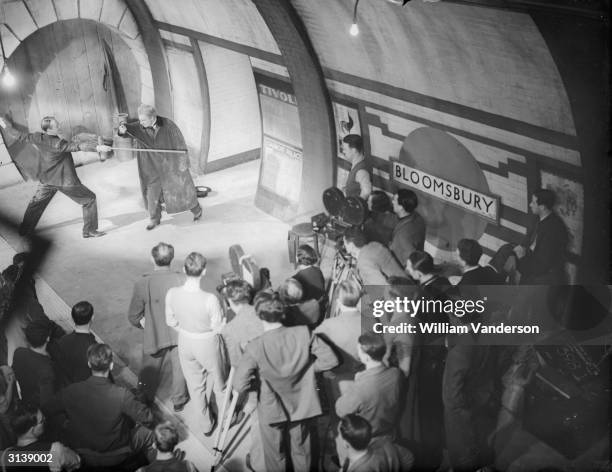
(29, 458)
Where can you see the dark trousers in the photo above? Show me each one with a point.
(154, 201)
(78, 193)
(286, 440)
(149, 377)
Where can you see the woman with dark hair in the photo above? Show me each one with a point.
(308, 274)
(381, 220)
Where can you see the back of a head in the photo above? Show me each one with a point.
(354, 141)
(545, 197)
(356, 236)
(239, 291)
(356, 431)
(163, 254)
(99, 357)
(82, 313)
(24, 418)
(21, 258)
(349, 293)
(37, 332)
(269, 307)
(407, 199)
(166, 437)
(47, 123)
(195, 263)
(469, 251)
(373, 345)
(380, 201)
(146, 110)
(290, 291)
(11, 273)
(422, 261)
(306, 255)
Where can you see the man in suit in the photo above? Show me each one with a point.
(298, 311)
(542, 253)
(34, 369)
(72, 348)
(57, 172)
(375, 392)
(409, 232)
(147, 311)
(285, 360)
(469, 252)
(101, 414)
(375, 263)
(366, 455)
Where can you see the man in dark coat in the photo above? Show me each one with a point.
(409, 232)
(470, 252)
(285, 361)
(147, 311)
(542, 253)
(163, 176)
(56, 172)
(359, 181)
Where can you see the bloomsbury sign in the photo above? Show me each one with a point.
(482, 204)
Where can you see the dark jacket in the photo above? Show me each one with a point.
(36, 374)
(481, 276)
(545, 263)
(312, 281)
(285, 359)
(149, 302)
(100, 413)
(408, 236)
(171, 170)
(72, 356)
(56, 165)
(379, 227)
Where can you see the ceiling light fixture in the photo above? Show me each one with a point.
(354, 29)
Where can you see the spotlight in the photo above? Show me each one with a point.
(354, 30)
(8, 79)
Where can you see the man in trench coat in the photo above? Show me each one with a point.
(163, 176)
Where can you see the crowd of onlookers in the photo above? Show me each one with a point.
(321, 391)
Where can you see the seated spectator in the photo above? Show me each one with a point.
(308, 274)
(245, 325)
(34, 369)
(298, 312)
(366, 455)
(409, 233)
(381, 220)
(375, 263)
(101, 414)
(166, 460)
(469, 252)
(8, 401)
(342, 333)
(28, 424)
(375, 392)
(72, 348)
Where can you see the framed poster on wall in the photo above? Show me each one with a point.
(281, 169)
(347, 121)
(570, 206)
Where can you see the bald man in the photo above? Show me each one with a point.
(56, 172)
(163, 176)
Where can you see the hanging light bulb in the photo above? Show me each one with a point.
(8, 79)
(354, 29)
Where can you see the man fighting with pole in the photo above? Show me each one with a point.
(56, 172)
(163, 165)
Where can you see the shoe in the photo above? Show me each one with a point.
(213, 424)
(94, 234)
(198, 215)
(152, 224)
